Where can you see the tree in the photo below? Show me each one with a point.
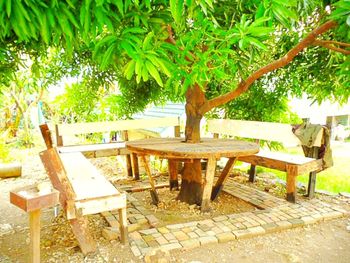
(187, 46)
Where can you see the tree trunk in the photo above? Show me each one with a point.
(191, 185)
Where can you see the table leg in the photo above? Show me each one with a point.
(154, 195)
(223, 177)
(173, 174)
(208, 184)
(292, 173)
(34, 227)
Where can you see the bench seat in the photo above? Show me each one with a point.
(93, 192)
(83, 191)
(280, 161)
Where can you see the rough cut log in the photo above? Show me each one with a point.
(10, 170)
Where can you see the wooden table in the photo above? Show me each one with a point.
(175, 149)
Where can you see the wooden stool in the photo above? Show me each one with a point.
(32, 201)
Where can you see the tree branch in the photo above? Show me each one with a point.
(244, 85)
(331, 45)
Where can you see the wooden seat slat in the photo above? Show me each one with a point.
(84, 177)
(285, 157)
(92, 147)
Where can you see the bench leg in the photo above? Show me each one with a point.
(34, 227)
(292, 173)
(128, 165)
(123, 225)
(80, 227)
(223, 176)
(173, 175)
(208, 184)
(312, 185)
(252, 173)
(135, 166)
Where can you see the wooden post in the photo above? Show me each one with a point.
(252, 170)
(123, 226)
(59, 139)
(34, 228)
(312, 176)
(292, 173)
(128, 157)
(208, 184)
(173, 174)
(135, 166)
(223, 177)
(154, 195)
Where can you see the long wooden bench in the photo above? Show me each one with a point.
(83, 191)
(293, 165)
(115, 148)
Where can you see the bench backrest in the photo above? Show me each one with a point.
(269, 131)
(109, 126)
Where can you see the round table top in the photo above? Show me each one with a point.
(177, 148)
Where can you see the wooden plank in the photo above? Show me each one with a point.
(153, 192)
(208, 184)
(34, 228)
(175, 148)
(269, 131)
(59, 138)
(123, 226)
(128, 157)
(312, 176)
(85, 179)
(292, 173)
(46, 134)
(173, 175)
(93, 127)
(80, 228)
(177, 131)
(98, 205)
(222, 178)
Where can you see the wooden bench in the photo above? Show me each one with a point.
(293, 165)
(83, 191)
(115, 148)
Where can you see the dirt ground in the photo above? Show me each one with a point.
(324, 242)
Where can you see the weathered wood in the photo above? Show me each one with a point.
(175, 148)
(208, 184)
(123, 226)
(29, 198)
(46, 133)
(59, 138)
(269, 131)
(93, 127)
(153, 192)
(80, 228)
(135, 166)
(177, 131)
(128, 157)
(292, 173)
(222, 178)
(173, 175)
(34, 228)
(10, 170)
(295, 164)
(252, 173)
(312, 177)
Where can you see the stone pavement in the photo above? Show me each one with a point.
(274, 214)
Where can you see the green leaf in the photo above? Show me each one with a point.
(8, 7)
(120, 6)
(260, 31)
(129, 69)
(255, 42)
(147, 41)
(144, 74)
(154, 72)
(176, 9)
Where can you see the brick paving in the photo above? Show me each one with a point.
(274, 214)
